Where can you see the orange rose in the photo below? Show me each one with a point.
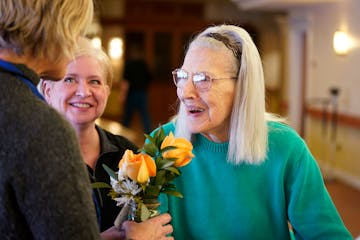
(182, 152)
(139, 167)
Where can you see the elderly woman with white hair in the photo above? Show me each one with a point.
(252, 174)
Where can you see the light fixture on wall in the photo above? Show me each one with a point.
(115, 48)
(341, 43)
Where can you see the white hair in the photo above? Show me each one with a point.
(248, 133)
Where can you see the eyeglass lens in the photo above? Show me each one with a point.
(201, 80)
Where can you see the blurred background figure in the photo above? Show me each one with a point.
(136, 77)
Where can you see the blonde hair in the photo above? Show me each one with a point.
(85, 48)
(43, 28)
(248, 133)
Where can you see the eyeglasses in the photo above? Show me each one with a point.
(201, 80)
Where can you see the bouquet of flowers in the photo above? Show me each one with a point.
(143, 176)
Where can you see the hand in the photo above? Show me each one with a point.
(155, 228)
(113, 234)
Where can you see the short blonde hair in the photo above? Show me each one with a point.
(43, 28)
(85, 48)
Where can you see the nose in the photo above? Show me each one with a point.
(187, 89)
(83, 90)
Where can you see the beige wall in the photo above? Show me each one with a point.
(326, 69)
(340, 158)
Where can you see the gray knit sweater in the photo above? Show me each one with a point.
(44, 187)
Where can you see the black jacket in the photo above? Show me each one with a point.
(111, 151)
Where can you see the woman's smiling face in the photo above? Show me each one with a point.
(81, 96)
(208, 112)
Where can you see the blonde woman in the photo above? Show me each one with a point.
(44, 190)
(81, 97)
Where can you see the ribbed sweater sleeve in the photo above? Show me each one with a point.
(45, 191)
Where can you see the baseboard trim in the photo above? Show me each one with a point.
(341, 175)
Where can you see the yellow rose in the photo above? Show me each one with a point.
(139, 167)
(182, 152)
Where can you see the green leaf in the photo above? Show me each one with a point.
(150, 149)
(167, 148)
(109, 171)
(160, 177)
(170, 159)
(100, 185)
(169, 185)
(174, 170)
(163, 163)
(152, 190)
(170, 176)
(159, 137)
(173, 193)
(150, 139)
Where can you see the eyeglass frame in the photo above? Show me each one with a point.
(188, 75)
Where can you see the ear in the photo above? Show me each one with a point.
(45, 86)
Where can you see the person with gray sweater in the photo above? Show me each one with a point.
(44, 189)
